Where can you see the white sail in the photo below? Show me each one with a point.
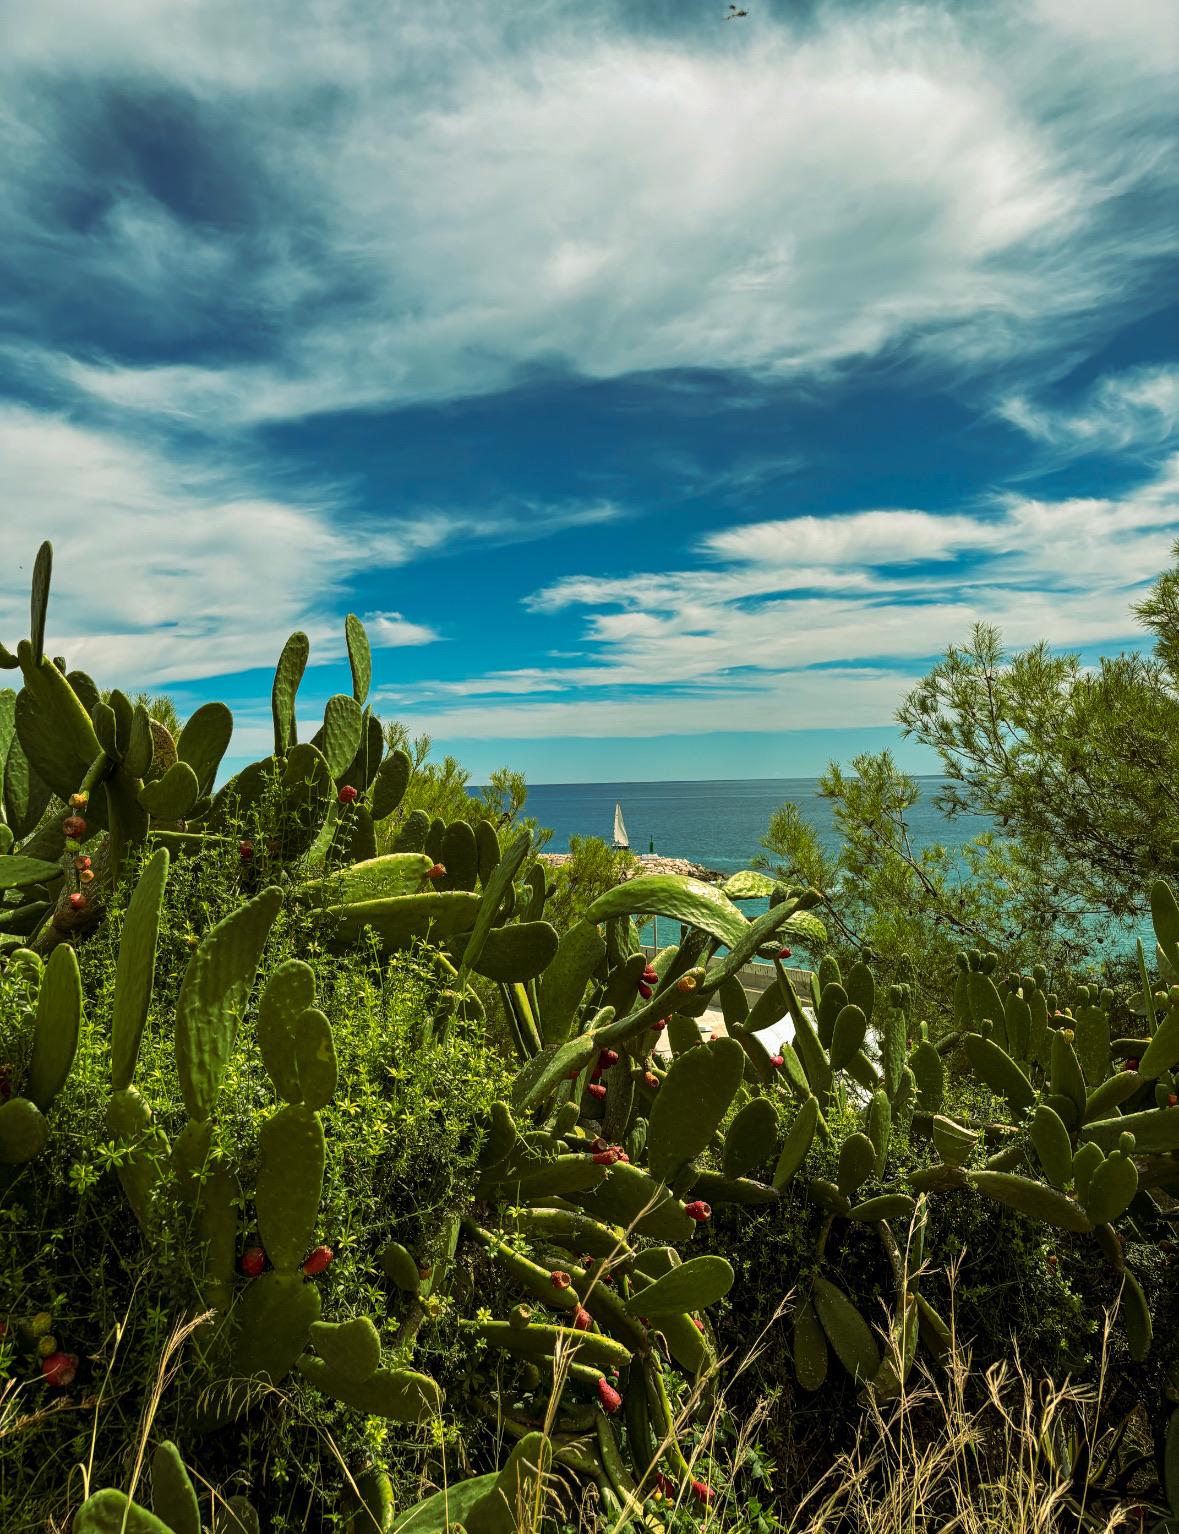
(620, 837)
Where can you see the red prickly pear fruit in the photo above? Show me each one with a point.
(348, 794)
(644, 990)
(697, 1323)
(607, 1058)
(686, 983)
(81, 861)
(596, 1073)
(559, 1280)
(86, 875)
(74, 827)
(777, 1061)
(582, 1319)
(78, 901)
(79, 801)
(596, 1089)
(785, 953)
(605, 1157)
(660, 1025)
(702, 1491)
(60, 1368)
(609, 1397)
(1172, 1101)
(318, 1260)
(1131, 1064)
(587, 1261)
(622, 1156)
(253, 1261)
(650, 974)
(245, 851)
(437, 872)
(698, 1210)
(652, 1080)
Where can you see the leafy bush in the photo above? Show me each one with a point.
(263, 1169)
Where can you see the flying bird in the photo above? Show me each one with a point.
(735, 14)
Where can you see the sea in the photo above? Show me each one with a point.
(716, 823)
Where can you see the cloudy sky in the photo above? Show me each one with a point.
(664, 392)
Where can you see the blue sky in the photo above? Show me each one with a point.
(664, 392)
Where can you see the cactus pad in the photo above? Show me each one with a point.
(289, 993)
(810, 1348)
(350, 1348)
(203, 741)
(692, 1101)
(751, 1138)
(173, 1497)
(23, 1131)
(1032, 1199)
(399, 1395)
(290, 1183)
(213, 996)
(287, 676)
(111, 1512)
(135, 969)
(691, 1285)
(57, 1026)
(846, 1330)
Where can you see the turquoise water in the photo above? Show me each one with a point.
(718, 824)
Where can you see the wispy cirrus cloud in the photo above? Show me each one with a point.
(1137, 409)
(171, 569)
(421, 203)
(757, 643)
(240, 246)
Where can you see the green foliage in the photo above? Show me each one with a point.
(354, 1224)
(912, 909)
(1077, 765)
(441, 790)
(593, 868)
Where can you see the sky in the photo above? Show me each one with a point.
(665, 392)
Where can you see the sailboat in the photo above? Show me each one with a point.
(621, 840)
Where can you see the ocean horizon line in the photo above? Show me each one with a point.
(927, 777)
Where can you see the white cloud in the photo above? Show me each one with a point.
(864, 538)
(165, 570)
(1137, 409)
(436, 197)
(749, 643)
(388, 630)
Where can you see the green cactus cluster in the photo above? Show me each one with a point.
(607, 1156)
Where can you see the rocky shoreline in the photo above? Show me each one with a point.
(650, 863)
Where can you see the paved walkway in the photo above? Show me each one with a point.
(712, 1026)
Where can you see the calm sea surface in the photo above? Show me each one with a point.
(718, 824)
